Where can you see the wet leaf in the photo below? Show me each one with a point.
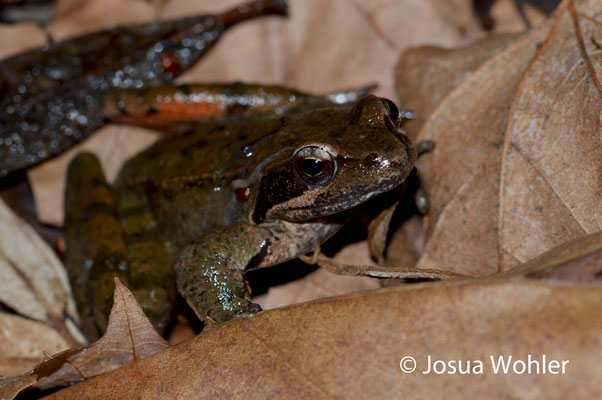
(351, 346)
(516, 170)
(129, 337)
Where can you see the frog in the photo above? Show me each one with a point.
(207, 206)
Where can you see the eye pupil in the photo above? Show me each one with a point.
(312, 167)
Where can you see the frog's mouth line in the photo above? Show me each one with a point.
(306, 212)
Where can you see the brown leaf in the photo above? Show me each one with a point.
(406, 244)
(579, 260)
(351, 347)
(32, 279)
(516, 169)
(23, 343)
(425, 75)
(129, 337)
(33, 284)
(10, 387)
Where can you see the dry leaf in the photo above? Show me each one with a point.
(32, 279)
(73, 17)
(23, 343)
(425, 75)
(34, 284)
(351, 347)
(579, 260)
(406, 244)
(516, 169)
(10, 387)
(129, 337)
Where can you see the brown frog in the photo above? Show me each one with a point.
(226, 199)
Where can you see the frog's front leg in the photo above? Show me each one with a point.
(209, 271)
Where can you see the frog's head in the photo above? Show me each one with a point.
(334, 161)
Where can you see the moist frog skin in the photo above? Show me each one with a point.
(224, 199)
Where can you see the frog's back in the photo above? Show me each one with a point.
(187, 180)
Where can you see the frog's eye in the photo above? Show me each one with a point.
(391, 108)
(314, 166)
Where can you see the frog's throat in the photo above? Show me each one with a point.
(256, 173)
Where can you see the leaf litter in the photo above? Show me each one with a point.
(516, 169)
(129, 337)
(307, 349)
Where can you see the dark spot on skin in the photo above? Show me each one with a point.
(259, 257)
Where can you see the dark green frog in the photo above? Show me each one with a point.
(224, 200)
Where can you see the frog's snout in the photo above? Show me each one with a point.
(375, 111)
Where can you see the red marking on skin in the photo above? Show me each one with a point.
(169, 63)
(243, 194)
